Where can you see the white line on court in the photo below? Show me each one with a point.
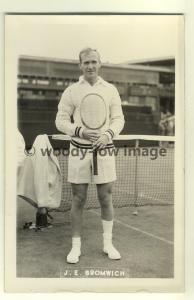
(139, 230)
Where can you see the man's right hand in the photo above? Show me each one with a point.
(91, 135)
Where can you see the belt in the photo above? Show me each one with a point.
(89, 146)
(95, 151)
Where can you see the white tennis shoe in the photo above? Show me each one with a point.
(73, 256)
(112, 252)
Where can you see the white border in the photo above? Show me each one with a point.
(126, 6)
(12, 25)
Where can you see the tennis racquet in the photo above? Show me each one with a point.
(93, 114)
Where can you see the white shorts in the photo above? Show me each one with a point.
(80, 165)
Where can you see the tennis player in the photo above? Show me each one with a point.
(81, 169)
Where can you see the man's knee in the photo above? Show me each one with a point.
(79, 195)
(105, 195)
(78, 200)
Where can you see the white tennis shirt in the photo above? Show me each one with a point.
(69, 105)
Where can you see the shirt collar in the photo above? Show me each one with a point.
(99, 81)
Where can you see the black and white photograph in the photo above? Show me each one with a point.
(96, 118)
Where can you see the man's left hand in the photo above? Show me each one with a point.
(101, 142)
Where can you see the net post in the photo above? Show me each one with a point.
(136, 172)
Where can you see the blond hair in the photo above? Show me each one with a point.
(86, 51)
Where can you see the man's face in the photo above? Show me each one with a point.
(90, 65)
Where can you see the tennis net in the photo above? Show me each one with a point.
(145, 171)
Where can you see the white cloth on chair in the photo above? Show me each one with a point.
(20, 148)
(40, 179)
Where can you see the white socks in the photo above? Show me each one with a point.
(107, 239)
(74, 254)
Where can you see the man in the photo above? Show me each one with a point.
(80, 170)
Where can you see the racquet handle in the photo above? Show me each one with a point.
(95, 162)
